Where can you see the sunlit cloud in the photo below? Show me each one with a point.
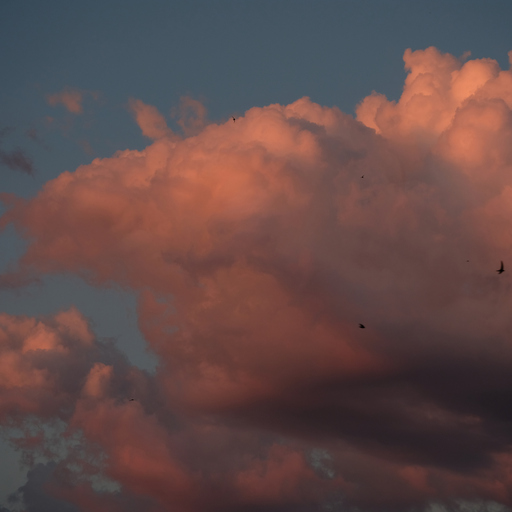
(150, 121)
(191, 115)
(256, 248)
(71, 98)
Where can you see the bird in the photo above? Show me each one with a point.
(362, 176)
(501, 269)
(361, 326)
(131, 400)
(232, 117)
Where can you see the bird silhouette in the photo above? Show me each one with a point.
(501, 269)
(361, 326)
(362, 176)
(233, 119)
(131, 400)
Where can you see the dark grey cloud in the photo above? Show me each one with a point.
(15, 159)
(14, 280)
(33, 495)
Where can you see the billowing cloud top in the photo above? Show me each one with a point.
(256, 248)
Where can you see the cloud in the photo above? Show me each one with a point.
(71, 98)
(38, 365)
(54, 369)
(255, 249)
(192, 115)
(45, 492)
(16, 159)
(35, 135)
(13, 280)
(150, 121)
(86, 146)
(33, 496)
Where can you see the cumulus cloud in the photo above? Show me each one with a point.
(256, 248)
(53, 369)
(33, 495)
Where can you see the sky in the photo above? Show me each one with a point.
(249, 256)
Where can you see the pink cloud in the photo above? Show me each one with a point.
(192, 115)
(150, 121)
(255, 249)
(52, 369)
(69, 97)
(437, 86)
(27, 386)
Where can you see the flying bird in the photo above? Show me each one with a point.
(131, 400)
(233, 119)
(501, 269)
(361, 326)
(362, 176)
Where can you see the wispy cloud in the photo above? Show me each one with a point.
(191, 115)
(71, 98)
(15, 159)
(150, 121)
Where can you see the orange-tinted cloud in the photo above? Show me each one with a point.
(191, 115)
(150, 121)
(437, 87)
(69, 97)
(256, 248)
(40, 364)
